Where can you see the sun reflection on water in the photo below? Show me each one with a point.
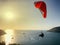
(8, 36)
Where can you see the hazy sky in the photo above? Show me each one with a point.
(21, 14)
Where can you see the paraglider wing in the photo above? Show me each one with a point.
(42, 7)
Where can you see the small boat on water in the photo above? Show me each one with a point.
(41, 35)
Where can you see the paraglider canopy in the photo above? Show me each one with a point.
(41, 5)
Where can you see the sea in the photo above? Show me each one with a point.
(31, 37)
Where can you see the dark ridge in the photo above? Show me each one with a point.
(55, 29)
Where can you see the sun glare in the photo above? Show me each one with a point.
(8, 16)
(8, 36)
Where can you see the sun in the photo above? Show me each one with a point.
(8, 16)
(9, 13)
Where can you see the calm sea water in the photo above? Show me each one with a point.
(32, 38)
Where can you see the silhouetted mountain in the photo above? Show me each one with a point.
(55, 29)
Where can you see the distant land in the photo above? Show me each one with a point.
(55, 29)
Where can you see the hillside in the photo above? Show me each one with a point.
(55, 29)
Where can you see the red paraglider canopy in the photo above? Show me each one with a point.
(41, 6)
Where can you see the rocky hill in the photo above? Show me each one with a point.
(55, 29)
